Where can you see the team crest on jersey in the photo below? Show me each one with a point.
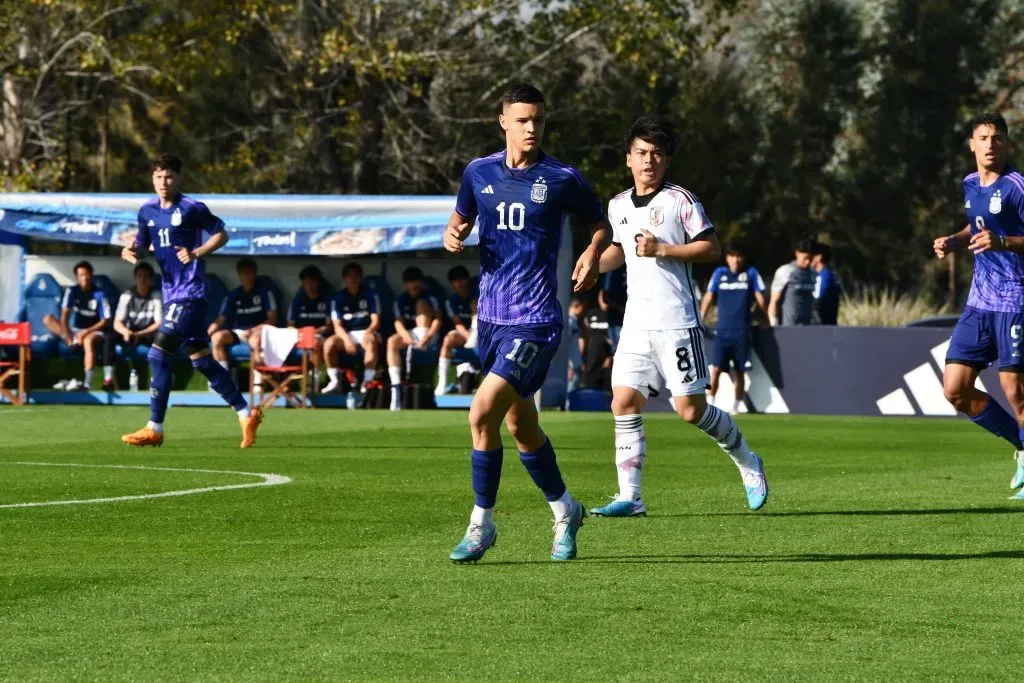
(256, 300)
(362, 304)
(176, 218)
(321, 307)
(657, 215)
(743, 277)
(539, 192)
(995, 205)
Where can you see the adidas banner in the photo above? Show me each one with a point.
(847, 371)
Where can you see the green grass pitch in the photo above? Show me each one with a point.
(888, 548)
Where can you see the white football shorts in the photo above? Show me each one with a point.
(644, 357)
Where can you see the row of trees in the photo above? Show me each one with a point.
(828, 117)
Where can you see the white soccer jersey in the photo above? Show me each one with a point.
(661, 293)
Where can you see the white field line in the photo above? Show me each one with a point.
(265, 480)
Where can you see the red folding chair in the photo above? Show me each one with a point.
(280, 378)
(20, 335)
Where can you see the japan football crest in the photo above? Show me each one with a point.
(995, 205)
(176, 218)
(657, 215)
(539, 192)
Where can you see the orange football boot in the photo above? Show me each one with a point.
(249, 426)
(144, 437)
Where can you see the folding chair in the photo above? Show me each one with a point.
(276, 346)
(20, 335)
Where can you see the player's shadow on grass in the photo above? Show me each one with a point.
(798, 558)
(1001, 510)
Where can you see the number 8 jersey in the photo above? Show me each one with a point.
(998, 283)
(520, 213)
(180, 225)
(660, 290)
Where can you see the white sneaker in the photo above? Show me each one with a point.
(74, 385)
(61, 385)
(439, 391)
(332, 386)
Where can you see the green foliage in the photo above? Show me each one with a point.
(824, 117)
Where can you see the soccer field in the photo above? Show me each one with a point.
(888, 548)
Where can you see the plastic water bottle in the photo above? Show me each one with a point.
(350, 400)
(133, 380)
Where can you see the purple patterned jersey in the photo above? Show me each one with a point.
(998, 283)
(181, 225)
(520, 213)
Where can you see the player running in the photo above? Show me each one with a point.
(667, 231)
(991, 328)
(173, 225)
(520, 197)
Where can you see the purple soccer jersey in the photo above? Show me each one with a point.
(998, 283)
(181, 225)
(520, 213)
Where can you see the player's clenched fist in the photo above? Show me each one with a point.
(454, 236)
(943, 246)
(186, 256)
(646, 244)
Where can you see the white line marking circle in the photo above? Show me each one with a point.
(265, 480)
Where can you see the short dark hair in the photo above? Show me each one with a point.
(458, 273)
(311, 271)
(824, 251)
(521, 93)
(990, 119)
(246, 263)
(167, 162)
(656, 130)
(736, 249)
(83, 264)
(412, 273)
(351, 267)
(805, 245)
(144, 267)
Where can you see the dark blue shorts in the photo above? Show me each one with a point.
(983, 337)
(731, 346)
(519, 354)
(186, 321)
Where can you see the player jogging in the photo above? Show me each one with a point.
(520, 197)
(991, 328)
(173, 225)
(665, 230)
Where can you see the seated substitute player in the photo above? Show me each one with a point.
(417, 322)
(84, 316)
(665, 230)
(172, 225)
(355, 319)
(734, 287)
(136, 319)
(991, 328)
(243, 314)
(460, 310)
(520, 197)
(311, 308)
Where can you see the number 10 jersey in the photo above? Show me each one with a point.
(520, 213)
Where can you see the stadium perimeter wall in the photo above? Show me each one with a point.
(849, 371)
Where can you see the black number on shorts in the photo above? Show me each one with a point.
(683, 356)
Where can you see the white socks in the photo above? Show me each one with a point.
(224, 364)
(630, 454)
(719, 426)
(88, 379)
(108, 373)
(244, 413)
(368, 374)
(482, 516)
(395, 373)
(156, 427)
(442, 373)
(564, 506)
(333, 374)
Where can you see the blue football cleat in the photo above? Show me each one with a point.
(757, 485)
(474, 544)
(620, 507)
(1018, 476)
(564, 547)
